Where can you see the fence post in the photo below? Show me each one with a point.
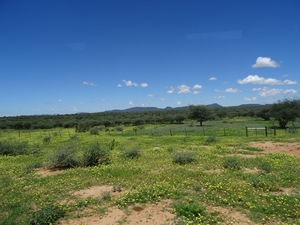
(246, 132)
(152, 133)
(266, 131)
(224, 131)
(185, 132)
(274, 131)
(171, 132)
(203, 131)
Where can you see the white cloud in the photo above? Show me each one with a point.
(216, 90)
(290, 92)
(162, 99)
(60, 100)
(75, 109)
(179, 103)
(135, 84)
(232, 90)
(197, 86)
(131, 103)
(255, 79)
(221, 96)
(128, 83)
(171, 90)
(119, 85)
(267, 92)
(213, 78)
(265, 62)
(151, 95)
(88, 83)
(196, 92)
(183, 89)
(250, 99)
(144, 85)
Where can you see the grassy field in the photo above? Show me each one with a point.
(197, 168)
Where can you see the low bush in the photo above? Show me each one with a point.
(47, 139)
(211, 139)
(119, 128)
(47, 215)
(232, 163)
(189, 210)
(96, 154)
(132, 153)
(95, 130)
(184, 157)
(63, 158)
(14, 148)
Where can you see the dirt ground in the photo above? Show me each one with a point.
(160, 214)
(278, 147)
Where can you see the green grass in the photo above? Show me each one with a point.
(153, 175)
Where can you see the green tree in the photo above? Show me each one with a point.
(200, 113)
(285, 111)
(264, 113)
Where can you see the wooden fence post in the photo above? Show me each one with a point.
(171, 132)
(266, 131)
(246, 132)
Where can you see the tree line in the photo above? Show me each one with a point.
(282, 111)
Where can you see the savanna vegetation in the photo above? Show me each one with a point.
(196, 167)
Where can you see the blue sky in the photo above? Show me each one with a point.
(61, 57)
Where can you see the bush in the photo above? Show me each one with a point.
(232, 163)
(119, 128)
(47, 139)
(131, 153)
(190, 210)
(95, 130)
(73, 137)
(211, 139)
(47, 215)
(63, 158)
(265, 166)
(96, 154)
(184, 157)
(14, 148)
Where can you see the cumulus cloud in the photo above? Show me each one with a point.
(265, 62)
(89, 83)
(232, 90)
(196, 92)
(131, 103)
(216, 90)
(250, 99)
(171, 90)
(119, 85)
(151, 95)
(219, 97)
(129, 83)
(255, 79)
(183, 89)
(213, 78)
(59, 100)
(290, 92)
(162, 99)
(179, 103)
(268, 92)
(197, 86)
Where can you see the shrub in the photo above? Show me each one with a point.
(14, 148)
(47, 139)
(189, 211)
(232, 163)
(131, 153)
(47, 215)
(73, 137)
(94, 130)
(117, 188)
(211, 139)
(184, 157)
(119, 128)
(198, 187)
(170, 149)
(96, 154)
(265, 166)
(63, 158)
(106, 195)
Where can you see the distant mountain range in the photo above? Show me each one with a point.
(148, 109)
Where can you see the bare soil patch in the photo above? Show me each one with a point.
(44, 172)
(97, 192)
(231, 216)
(150, 214)
(278, 147)
(286, 191)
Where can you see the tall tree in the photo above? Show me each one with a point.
(285, 111)
(200, 113)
